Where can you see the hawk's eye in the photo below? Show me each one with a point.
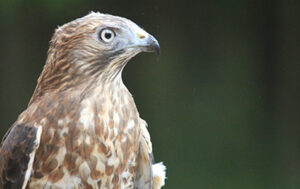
(107, 35)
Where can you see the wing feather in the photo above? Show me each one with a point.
(144, 169)
(17, 155)
(149, 175)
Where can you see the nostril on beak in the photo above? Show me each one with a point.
(141, 36)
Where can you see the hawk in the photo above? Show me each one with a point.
(81, 128)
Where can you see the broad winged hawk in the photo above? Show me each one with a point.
(81, 128)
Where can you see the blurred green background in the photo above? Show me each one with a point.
(223, 100)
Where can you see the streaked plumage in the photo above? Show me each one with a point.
(81, 128)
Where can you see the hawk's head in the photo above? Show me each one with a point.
(96, 46)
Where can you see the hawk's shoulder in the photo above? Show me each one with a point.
(17, 154)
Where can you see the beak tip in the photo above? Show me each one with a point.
(154, 45)
(157, 49)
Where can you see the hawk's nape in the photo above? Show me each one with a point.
(81, 128)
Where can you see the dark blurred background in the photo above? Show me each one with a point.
(223, 100)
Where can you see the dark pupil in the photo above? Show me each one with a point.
(107, 35)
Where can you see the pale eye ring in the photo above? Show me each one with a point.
(107, 35)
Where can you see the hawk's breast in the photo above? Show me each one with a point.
(92, 144)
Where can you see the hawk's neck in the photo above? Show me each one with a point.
(97, 97)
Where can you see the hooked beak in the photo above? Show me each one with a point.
(148, 43)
